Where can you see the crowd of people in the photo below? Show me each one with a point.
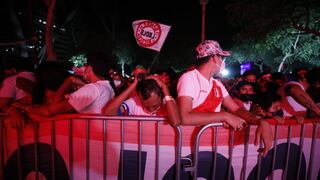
(194, 97)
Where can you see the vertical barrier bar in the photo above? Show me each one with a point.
(231, 143)
(1, 148)
(196, 148)
(301, 144)
(70, 149)
(178, 152)
(157, 151)
(275, 142)
(104, 149)
(19, 153)
(285, 171)
(259, 162)
(139, 150)
(245, 154)
(215, 153)
(313, 143)
(121, 150)
(36, 140)
(53, 147)
(87, 149)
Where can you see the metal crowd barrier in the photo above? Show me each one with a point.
(178, 147)
(87, 118)
(194, 169)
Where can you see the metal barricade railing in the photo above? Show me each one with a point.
(1, 146)
(70, 118)
(195, 161)
(178, 147)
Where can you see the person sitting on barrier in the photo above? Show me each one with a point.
(200, 96)
(295, 100)
(88, 99)
(152, 98)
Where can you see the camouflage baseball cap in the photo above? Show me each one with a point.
(208, 48)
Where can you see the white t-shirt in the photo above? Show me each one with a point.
(295, 105)
(9, 87)
(195, 85)
(92, 97)
(133, 106)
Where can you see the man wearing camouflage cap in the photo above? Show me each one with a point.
(200, 96)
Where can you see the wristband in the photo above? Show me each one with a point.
(168, 98)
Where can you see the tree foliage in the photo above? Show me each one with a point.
(276, 32)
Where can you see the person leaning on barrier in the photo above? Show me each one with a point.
(90, 98)
(313, 79)
(200, 96)
(295, 100)
(268, 105)
(17, 90)
(19, 87)
(152, 98)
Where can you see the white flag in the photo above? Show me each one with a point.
(150, 34)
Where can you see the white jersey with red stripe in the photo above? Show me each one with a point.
(195, 85)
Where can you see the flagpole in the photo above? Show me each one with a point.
(150, 34)
(155, 58)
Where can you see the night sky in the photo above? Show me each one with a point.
(183, 17)
(185, 21)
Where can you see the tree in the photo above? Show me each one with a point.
(51, 5)
(282, 32)
(294, 46)
(124, 55)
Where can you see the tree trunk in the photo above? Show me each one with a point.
(51, 54)
(122, 69)
(282, 62)
(288, 54)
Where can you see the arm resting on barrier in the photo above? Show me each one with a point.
(248, 116)
(189, 117)
(303, 98)
(61, 107)
(112, 107)
(263, 131)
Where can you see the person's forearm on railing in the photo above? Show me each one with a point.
(61, 107)
(112, 107)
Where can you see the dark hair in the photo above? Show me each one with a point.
(272, 87)
(50, 75)
(254, 86)
(265, 73)
(98, 63)
(313, 76)
(249, 72)
(200, 61)
(296, 74)
(266, 99)
(242, 83)
(277, 76)
(146, 86)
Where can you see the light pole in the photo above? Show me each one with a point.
(203, 3)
